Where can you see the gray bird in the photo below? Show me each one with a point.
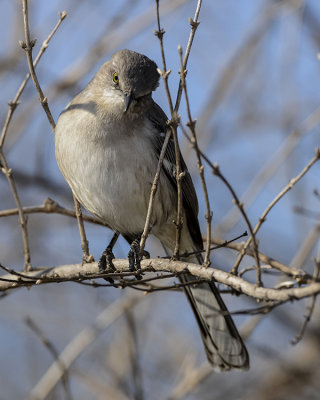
(108, 141)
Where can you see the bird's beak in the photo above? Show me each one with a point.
(128, 97)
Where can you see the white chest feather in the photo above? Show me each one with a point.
(110, 167)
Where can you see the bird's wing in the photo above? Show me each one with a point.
(223, 344)
(159, 120)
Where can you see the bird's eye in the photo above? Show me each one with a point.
(115, 78)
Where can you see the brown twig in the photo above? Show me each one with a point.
(15, 102)
(305, 247)
(28, 46)
(78, 272)
(222, 244)
(271, 167)
(173, 123)
(154, 188)
(310, 308)
(49, 345)
(79, 343)
(7, 171)
(272, 204)
(194, 23)
(86, 257)
(50, 206)
(22, 218)
(159, 33)
(300, 276)
(4, 166)
(216, 171)
(191, 124)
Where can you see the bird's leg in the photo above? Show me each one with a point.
(146, 254)
(134, 256)
(105, 261)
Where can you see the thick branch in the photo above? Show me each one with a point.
(79, 272)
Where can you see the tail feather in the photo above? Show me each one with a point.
(223, 344)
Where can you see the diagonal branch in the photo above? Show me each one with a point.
(28, 46)
(79, 343)
(263, 217)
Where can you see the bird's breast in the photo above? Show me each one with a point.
(110, 168)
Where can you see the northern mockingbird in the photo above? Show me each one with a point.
(108, 141)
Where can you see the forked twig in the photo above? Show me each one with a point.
(53, 351)
(79, 343)
(159, 33)
(28, 46)
(191, 124)
(3, 163)
(22, 218)
(216, 171)
(173, 123)
(263, 217)
(311, 306)
(15, 102)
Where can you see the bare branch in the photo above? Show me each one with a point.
(173, 123)
(79, 272)
(191, 124)
(49, 345)
(310, 309)
(79, 343)
(28, 46)
(273, 203)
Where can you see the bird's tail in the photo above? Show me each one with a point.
(223, 344)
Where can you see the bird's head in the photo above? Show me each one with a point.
(128, 77)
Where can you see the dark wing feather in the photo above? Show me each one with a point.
(189, 198)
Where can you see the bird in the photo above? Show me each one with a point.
(108, 141)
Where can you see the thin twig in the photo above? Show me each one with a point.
(191, 124)
(134, 355)
(272, 204)
(305, 247)
(79, 343)
(299, 275)
(28, 46)
(194, 23)
(216, 171)
(271, 167)
(86, 257)
(49, 345)
(154, 188)
(22, 218)
(4, 166)
(50, 206)
(15, 102)
(306, 212)
(173, 123)
(76, 272)
(310, 308)
(222, 244)
(160, 34)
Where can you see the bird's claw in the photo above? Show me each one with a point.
(134, 257)
(105, 263)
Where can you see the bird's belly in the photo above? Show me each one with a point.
(114, 184)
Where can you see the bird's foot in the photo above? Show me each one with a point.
(146, 254)
(134, 257)
(105, 262)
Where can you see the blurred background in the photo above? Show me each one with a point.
(254, 88)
